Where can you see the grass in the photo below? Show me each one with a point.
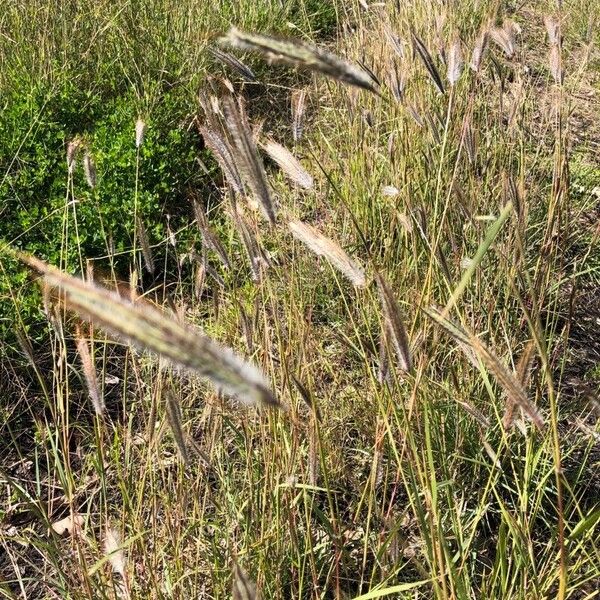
(437, 432)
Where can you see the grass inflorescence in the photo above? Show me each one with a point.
(385, 230)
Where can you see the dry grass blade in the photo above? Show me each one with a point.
(455, 62)
(243, 586)
(220, 148)
(89, 372)
(233, 63)
(394, 327)
(323, 246)
(174, 420)
(298, 107)
(150, 329)
(507, 380)
(425, 56)
(302, 55)
(209, 236)
(289, 164)
(246, 156)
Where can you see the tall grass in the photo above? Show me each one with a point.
(433, 442)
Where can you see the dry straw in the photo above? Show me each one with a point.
(323, 246)
(151, 329)
(302, 55)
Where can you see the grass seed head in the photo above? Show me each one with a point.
(393, 323)
(479, 50)
(151, 329)
(289, 164)
(455, 62)
(89, 372)
(302, 55)
(324, 246)
(140, 132)
(233, 63)
(114, 552)
(243, 587)
(89, 168)
(427, 60)
(246, 156)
